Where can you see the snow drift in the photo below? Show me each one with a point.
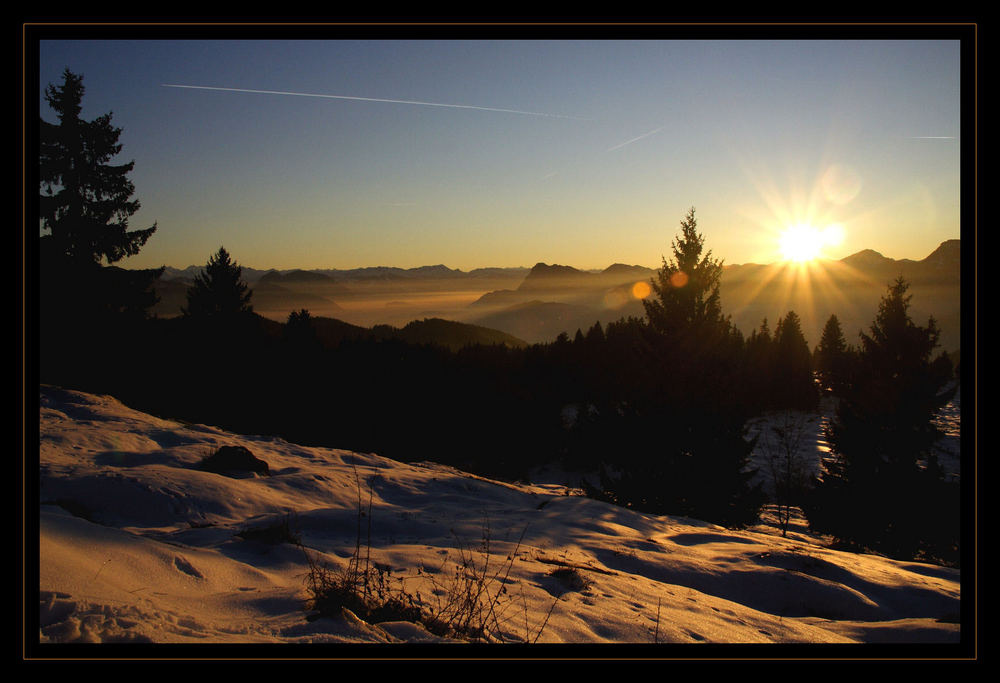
(138, 544)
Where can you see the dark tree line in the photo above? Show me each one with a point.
(658, 405)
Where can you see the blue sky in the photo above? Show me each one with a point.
(608, 145)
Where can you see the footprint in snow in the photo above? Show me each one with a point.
(183, 565)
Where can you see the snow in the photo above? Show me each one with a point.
(137, 545)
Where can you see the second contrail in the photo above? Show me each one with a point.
(377, 99)
(636, 139)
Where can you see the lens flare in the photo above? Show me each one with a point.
(640, 290)
(840, 184)
(833, 235)
(679, 279)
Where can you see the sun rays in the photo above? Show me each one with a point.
(801, 226)
(803, 242)
(800, 243)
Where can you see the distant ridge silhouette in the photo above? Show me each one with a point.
(546, 299)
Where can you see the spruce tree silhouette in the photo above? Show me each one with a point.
(686, 287)
(687, 453)
(833, 356)
(85, 203)
(759, 362)
(793, 385)
(219, 292)
(883, 489)
(301, 337)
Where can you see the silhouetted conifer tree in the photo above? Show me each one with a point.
(686, 287)
(793, 385)
(833, 356)
(759, 368)
(685, 452)
(86, 201)
(219, 292)
(91, 313)
(300, 333)
(84, 205)
(883, 489)
(595, 335)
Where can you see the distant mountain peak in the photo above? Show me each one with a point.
(439, 269)
(948, 253)
(868, 255)
(546, 276)
(545, 270)
(297, 275)
(623, 269)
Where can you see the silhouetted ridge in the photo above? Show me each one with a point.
(543, 275)
(449, 334)
(439, 270)
(947, 255)
(623, 270)
(454, 335)
(866, 258)
(498, 297)
(271, 296)
(297, 275)
(542, 270)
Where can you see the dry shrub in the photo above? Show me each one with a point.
(472, 604)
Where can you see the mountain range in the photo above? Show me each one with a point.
(537, 304)
(555, 298)
(373, 273)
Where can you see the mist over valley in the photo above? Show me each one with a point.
(539, 303)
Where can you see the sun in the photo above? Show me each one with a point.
(801, 243)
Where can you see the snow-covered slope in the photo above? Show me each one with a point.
(138, 545)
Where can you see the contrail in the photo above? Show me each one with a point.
(377, 99)
(629, 142)
(933, 137)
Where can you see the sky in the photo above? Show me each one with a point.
(342, 154)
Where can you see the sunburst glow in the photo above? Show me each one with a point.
(802, 243)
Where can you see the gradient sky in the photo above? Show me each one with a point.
(608, 144)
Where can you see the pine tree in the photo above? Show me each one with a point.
(832, 357)
(687, 421)
(883, 488)
(793, 385)
(300, 333)
(595, 335)
(219, 292)
(85, 201)
(758, 368)
(686, 287)
(91, 313)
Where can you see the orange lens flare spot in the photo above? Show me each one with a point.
(679, 279)
(640, 290)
